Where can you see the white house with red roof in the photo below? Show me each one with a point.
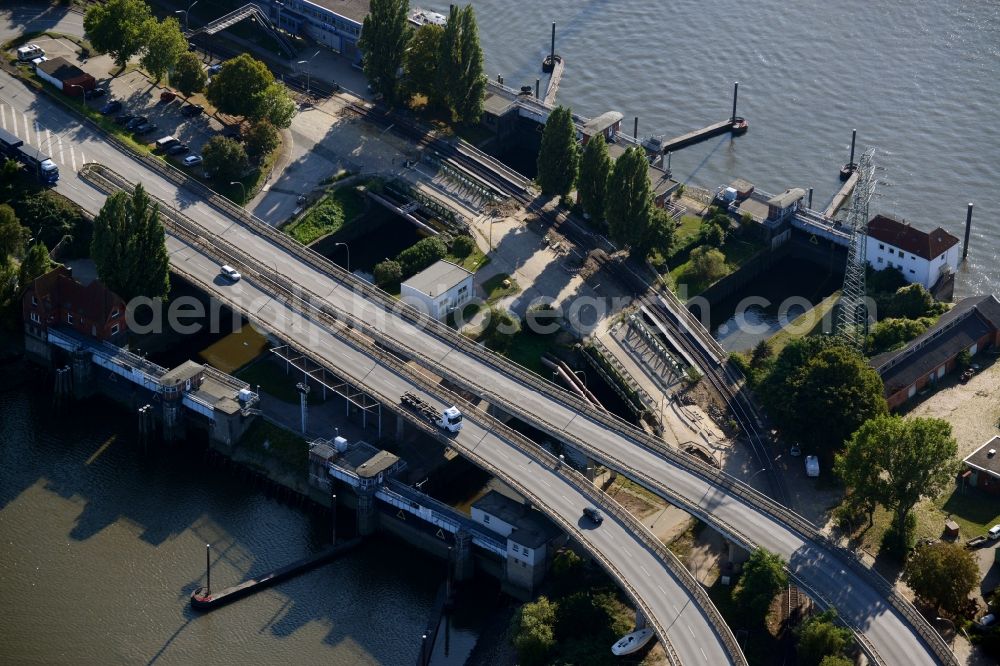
(924, 258)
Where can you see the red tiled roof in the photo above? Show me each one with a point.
(910, 239)
(94, 302)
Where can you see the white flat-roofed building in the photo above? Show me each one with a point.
(922, 257)
(439, 289)
(333, 23)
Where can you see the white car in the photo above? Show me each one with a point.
(994, 533)
(230, 273)
(812, 466)
(192, 160)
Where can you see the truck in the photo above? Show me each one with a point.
(450, 419)
(35, 160)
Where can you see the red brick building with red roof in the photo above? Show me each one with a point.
(57, 299)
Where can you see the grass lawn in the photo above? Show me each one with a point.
(268, 440)
(271, 378)
(495, 290)
(688, 229)
(327, 216)
(527, 348)
(807, 323)
(471, 262)
(736, 251)
(467, 312)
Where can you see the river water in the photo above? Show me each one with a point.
(919, 80)
(101, 546)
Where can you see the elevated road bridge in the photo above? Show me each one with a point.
(302, 295)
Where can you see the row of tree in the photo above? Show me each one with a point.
(617, 192)
(442, 63)
(20, 263)
(126, 28)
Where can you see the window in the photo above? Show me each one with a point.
(114, 329)
(881, 246)
(912, 271)
(35, 318)
(486, 518)
(514, 547)
(34, 301)
(941, 257)
(891, 251)
(913, 258)
(880, 260)
(114, 313)
(69, 317)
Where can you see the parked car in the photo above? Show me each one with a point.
(135, 122)
(192, 110)
(812, 466)
(167, 96)
(986, 621)
(594, 515)
(215, 69)
(178, 149)
(167, 141)
(111, 107)
(796, 450)
(192, 46)
(230, 273)
(146, 128)
(192, 160)
(96, 93)
(994, 533)
(123, 118)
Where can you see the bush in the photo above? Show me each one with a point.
(463, 246)
(893, 333)
(910, 302)
(421, 255)
(819, 638)
(533, 630)
(500, 329)
(51, 218)
(388, 274)
(706, 265)
(896, 542)
(763, 576)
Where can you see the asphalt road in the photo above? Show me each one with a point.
(687, 627)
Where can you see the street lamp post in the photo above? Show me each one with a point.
(243, 189)
(348, 248)
(308, 64)
(83, 93)
(762, 469)
(186, 12)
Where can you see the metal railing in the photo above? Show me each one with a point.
(626, 431)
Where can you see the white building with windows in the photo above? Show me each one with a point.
(923, 258)
(439, 289)
(333, 23)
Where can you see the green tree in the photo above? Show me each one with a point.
(819, 392)
(712, 233)
(238, 86)
(500, 329)
(188, 76)
(908, 460)
(762, 353)
(705, 265)
(421, 76)
(660, 235)
(943, 574)
(388, 274)
(261, 138)
(384, 37)
(832, 660)
(129, 247)
(595, 170)
(164, 47)
(225, 158)
(533, 629)
(463, 246)
(460, 63)
(120, 28)
(630, 199)
(13, 236)
(763, 577)
(558, 156)
(893, 333)
(820, 637)
(36, 262)
(422, 254)
(274, 105)
(52, 218)
(9, 170)
(911, 302)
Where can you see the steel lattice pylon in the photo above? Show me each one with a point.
(852, 318)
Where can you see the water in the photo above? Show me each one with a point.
(100, 548)
(917, 79)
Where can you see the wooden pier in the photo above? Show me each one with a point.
(841, 197)
(203, 600)
(735, 126)
(554, 79)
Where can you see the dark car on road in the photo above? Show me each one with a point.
(594, 515)
(96, 93)
(192, 110)
(146, 128)
(123, 118)
(111, 107)
(135, 122)
(167, 96)
(179, 149)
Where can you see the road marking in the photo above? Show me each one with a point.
(60, 149)
(72, 157)
(83, 160)
(3, 115)
(48, 139)
(547, 484)
(691, 631)
(38, 139)
(643, 569)
(703, 653)
(661, 588)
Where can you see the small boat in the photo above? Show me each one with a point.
(632, 642)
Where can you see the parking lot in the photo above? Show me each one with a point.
(140, 97)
